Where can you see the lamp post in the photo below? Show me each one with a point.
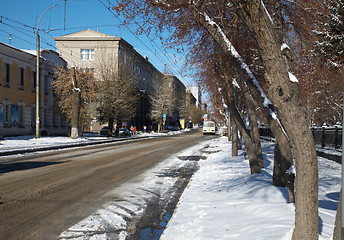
(37, 72)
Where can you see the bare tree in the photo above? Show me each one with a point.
(163, 102)
(66, 88)
(118, 92)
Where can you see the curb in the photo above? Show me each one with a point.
(58, 147)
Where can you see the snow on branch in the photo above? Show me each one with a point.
(284, 46)
(266, 11)
(293, 78)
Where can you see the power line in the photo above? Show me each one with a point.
(154, 53)
(159, 48)
(18, 37)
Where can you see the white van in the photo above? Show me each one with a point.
(209, 127)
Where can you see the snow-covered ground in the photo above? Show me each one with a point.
(221, 201)
(224, 201)
(31, 143)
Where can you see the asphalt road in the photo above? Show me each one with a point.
(43, 194)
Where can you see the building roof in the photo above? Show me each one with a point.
(87, 35)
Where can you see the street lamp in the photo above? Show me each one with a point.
(37, 73)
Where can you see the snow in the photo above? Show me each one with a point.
(221, 201)
(267, 13)
(284, 46)
(235, 83)
(293, 78)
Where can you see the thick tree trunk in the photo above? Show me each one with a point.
(337, 233)
(284, 95)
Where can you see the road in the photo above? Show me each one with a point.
(43, 194)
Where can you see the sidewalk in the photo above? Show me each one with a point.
(223, 201)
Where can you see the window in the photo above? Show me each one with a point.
(87, 54)
(33, 82)
(7, 75)
(21, 78)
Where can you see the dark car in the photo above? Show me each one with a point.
(124, 132)
(104, 131)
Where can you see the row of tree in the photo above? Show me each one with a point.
(247, 54)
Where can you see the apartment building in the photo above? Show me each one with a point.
(88, 49)
(18, 92)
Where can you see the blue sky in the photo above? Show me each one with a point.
(20, 17)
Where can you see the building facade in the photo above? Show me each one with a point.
(178, 94)
(89, 49)
(18, 92)
(196, 92)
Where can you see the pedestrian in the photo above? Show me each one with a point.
(135, 130)
(132, 130)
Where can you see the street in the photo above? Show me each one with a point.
(41, 195)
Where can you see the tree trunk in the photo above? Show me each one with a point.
(284, 95)
(254, 127)
(281, 176)
(249, 146)
(229, 127)
(75, 108)
(235, 139)
(337, 233)
(110, 124)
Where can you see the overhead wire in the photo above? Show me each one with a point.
(155, 53)
(164, 52)
(44, 41)
(155, 50)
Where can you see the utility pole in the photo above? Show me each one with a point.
(37, 72)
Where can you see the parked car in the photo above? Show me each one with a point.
(104, 131)
(124, 132)
(224, 131)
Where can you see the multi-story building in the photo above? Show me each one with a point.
(178, 93)
(196, 92)
(18, 92)
(88, 49)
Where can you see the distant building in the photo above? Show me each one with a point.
(178, 92)
(88, 48)
(18, 92)
(196, 92)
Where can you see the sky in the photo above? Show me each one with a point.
(20, 17)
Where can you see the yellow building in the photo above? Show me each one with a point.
(18, 92)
